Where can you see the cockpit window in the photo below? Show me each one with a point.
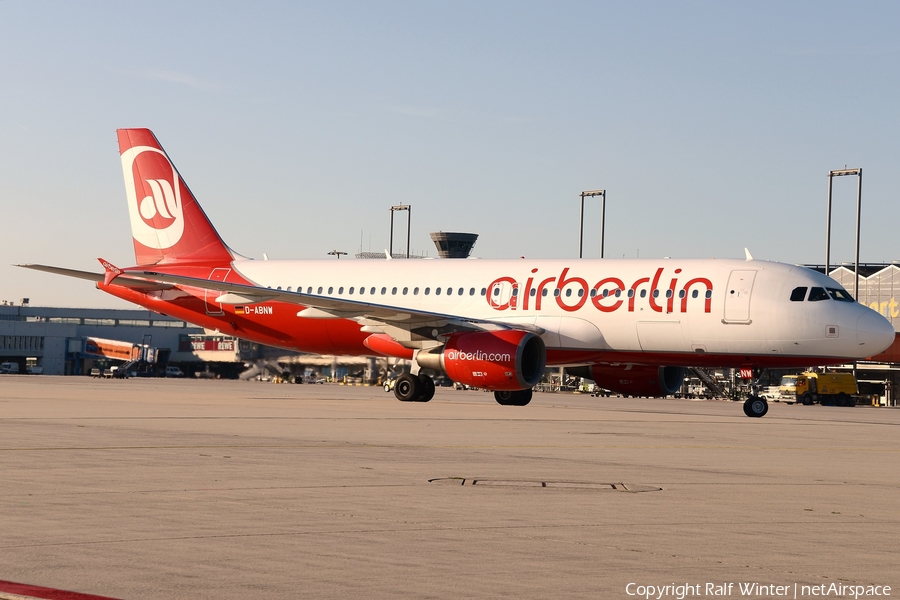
(817, 293)
(798, 294)
(841, 295)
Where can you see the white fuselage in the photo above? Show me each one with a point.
(677, 307)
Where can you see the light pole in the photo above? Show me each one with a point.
(408, 210)
(831, 176)
(591, 194)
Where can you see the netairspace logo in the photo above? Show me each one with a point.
(756, 590)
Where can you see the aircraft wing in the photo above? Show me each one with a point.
(125, 281)
(322, 307)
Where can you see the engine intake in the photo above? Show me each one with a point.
(493, 360)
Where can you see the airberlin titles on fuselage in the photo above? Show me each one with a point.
(606, 295)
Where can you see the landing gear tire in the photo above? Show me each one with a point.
(426, 392)
(513, 398)
(755, 407)
(407, 388)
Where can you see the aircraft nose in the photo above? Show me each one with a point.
(874, 333)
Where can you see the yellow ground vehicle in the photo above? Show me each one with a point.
(787, 391)
(828, 389)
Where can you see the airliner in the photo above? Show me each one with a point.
(633, 325)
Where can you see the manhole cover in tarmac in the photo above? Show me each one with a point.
(558, 485)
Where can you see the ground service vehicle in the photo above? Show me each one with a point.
(172, 371)
(787, 391)
(828, 389)
(9, 368)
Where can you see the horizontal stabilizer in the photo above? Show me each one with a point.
(124, 281)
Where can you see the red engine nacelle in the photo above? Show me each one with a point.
(638, 380)
(494, 360)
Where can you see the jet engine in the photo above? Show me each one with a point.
(636, 380)
(493, 360)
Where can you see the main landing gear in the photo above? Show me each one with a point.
(513, 398)
(755, 406)
(414, 388)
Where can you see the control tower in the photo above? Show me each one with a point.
(453, 244)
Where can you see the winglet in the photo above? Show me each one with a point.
(112, 271)
(747, 253)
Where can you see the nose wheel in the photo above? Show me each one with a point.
(755, 407)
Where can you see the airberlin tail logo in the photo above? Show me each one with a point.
(154, 197)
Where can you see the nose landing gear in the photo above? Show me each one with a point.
(755, 406)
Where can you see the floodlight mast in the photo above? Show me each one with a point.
(591, 194)
(408, 209)
(831, 176)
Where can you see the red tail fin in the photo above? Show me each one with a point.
(167, 223)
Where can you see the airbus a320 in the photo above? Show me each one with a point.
(633, 325)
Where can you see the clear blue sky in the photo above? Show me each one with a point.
(711, 124)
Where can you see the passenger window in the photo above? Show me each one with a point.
(383, 291)
(643, 293)
(694, 294)
(631, 293)
(544, 292)
(798, 294)
(484, 291)
(817, 293)
(556, 292)
(668, 293)
(320, 290)
(618, 292)
(309, 290)
(533, 293)
(341, 290)
(437, 291)
(427, 291)
(472, 291)
(405, 290)
(415, 291)
(681, 294)
(351, 291)
(656, 293)
(461, 291)
(515, 291)
(580, 292)
(372, 291)
(394, 291)
(450, 291)
(568, 293)
(708, 294)
(330, 290)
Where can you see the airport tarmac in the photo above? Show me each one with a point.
(168, 489)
